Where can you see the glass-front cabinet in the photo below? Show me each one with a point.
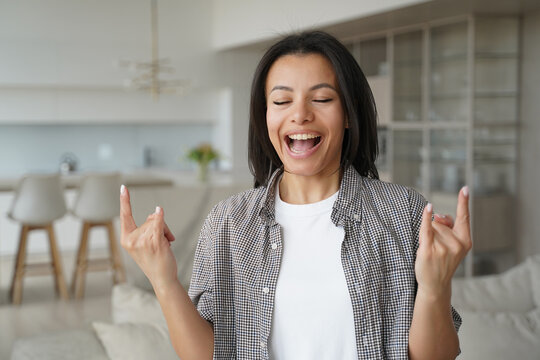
(449, 79)
(452, 106)
(494, 143)
(407, 94)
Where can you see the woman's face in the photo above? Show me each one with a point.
(304, 115)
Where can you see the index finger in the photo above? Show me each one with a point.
(462, 224)
(127, 223)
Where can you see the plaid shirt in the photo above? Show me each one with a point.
(239, 252)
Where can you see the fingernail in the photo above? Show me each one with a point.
(429, 207)
(466, 190)
(122, 189)
(158, 209)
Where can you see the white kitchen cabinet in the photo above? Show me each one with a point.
(452, 121)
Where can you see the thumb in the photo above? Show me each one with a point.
(426, 229)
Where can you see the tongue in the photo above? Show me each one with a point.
(302, 145)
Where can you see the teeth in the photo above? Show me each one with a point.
(302, 136)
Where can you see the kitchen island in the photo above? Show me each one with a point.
(73, 180)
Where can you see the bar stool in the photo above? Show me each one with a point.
(97, 204)
(39, 201)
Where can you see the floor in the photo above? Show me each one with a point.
(41, 311)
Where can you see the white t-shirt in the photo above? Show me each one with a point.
(313, 315)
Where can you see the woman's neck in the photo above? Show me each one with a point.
(298, 189)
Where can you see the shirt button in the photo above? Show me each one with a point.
(274, 246)
(266, 290)
(263, 344)
(356, 217)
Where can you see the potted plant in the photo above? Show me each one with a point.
(203, 154)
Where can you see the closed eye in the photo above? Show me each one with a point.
(281, 102)
(322, 100)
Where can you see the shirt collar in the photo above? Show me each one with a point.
(347, 206)
(267, 208)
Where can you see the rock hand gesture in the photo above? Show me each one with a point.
(443, 245)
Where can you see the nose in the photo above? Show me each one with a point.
(302, 112)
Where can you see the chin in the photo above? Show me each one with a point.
(304, 169)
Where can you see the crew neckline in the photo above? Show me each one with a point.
(302, 210)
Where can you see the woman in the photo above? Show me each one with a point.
(321, 259)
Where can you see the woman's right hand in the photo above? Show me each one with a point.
(148, 244)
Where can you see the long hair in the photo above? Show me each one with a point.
(359, 148)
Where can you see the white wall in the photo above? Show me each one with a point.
(57, 65)
(58, 60)
(242, 22)
(529, 169)
(56, 105)
(77, 42)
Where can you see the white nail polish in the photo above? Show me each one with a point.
(466, 190)
(429, 207)
(122, 189)
(158, 209)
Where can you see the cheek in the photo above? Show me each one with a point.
(273, 129)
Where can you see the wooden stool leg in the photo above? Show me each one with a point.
(119, 273)
(79, 259)
(15, 292)
(57, 264)
(79, 275)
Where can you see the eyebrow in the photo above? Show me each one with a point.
(315, 87)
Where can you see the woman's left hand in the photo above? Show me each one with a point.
(443, 245)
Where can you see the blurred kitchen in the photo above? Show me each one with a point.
(132, 86)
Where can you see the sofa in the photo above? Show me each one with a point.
(501, 320)
(501, 313)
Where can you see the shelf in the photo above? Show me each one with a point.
(449, 96)
(486, 161)
(495, 56)
(448, 58)
(495, 94)
(408, 63)
(506, 123)
(408, 97)
(437, 161)
(488, 143)
(403, 159)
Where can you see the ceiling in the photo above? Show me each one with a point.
(416, 14)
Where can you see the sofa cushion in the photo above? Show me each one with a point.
(510, 291)
(135, 341)
(62, 345)
(533, 263)
(133, 305)
(500, 336)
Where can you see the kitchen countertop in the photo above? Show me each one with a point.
(72, 181)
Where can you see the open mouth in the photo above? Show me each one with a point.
(301, 143)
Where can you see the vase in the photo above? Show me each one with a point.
(203, 172)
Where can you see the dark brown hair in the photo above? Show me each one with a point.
(359, 147)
